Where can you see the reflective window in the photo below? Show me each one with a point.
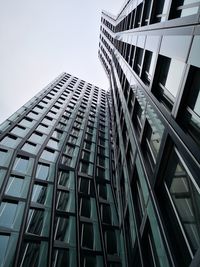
(8, 213)
(111, 242)
(147, 70)
(4, 240)
(30, 147)
(184, 193)
(65, 201)
(168, 80)
(87, 235)
(27, 122)
(10, 141)
(17, 186)
(38, 222)
(42, 171)
(37, 137)
(3, 156)
(21, 164)
(65, 230)
(183, 8)
(34, 254)
(39, 194)
(49, 154)
(192, 123)
(20, 130)
(53, 143)
(43, 128)
(66, 179)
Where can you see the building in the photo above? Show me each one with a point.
(150, 52)
(58, 204)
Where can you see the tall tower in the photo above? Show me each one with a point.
(150, 52)
(58, 204)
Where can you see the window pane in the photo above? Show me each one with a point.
(21, 164)
(7, 214)
(17, 186)
(34, 254)
(49, 154)
(186, 198)
(4, 240)
(42, 171)
(3, 157)
(10, 141)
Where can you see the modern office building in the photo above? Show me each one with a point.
(58, 204)
(151, 54)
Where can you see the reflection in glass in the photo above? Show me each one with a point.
(21, 164)
(42, 171)
(186, 198)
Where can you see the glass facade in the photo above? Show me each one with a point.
(53, 158)
(150, 54)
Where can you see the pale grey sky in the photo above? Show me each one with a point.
(39, 39)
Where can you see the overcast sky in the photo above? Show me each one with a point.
(39, 39)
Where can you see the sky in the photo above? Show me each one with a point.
(39, 39)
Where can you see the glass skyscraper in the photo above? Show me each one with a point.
(58, 204)
(151, 54)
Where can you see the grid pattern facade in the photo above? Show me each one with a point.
(58, 204)
(150, 53)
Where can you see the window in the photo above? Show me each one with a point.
(65, 201)
(85, 207)
(34, 254)
(21, 164)
(183, 196)
(91, 261)
(87, 145)
(10, 141)
(20, 130)
(85, 155)
(183, 8)
(61, 258)
(44, 128)
(65, 230)
(39, 194)
(146, 13)
(33, 115)
(42, 172)
(66, 160)
(147, 70)
(37, 138)
(111, 242)
(69, 150)
(4, 154)
(17, 186)
(192, 123)
(138, 60)
(106, 214)
(30, 147)
(57, 134)
(4, 241)
(160, 9)
(8, 213)
(27, 122)
(53, 143)
(168, 80)
(150, 255)
(83, 167)
(151, 143)
(49, 154)
(66, 179)
(87, 235)
(38, 222)
(102, 191)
